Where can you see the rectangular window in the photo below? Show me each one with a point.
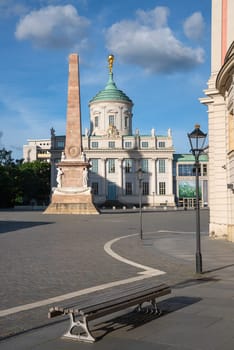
(204, 169)
(95, 188)
(145, 165)
(125, 122)
(145, 144)
(185, 169)
(94, 163)
(96, 122)
(128, 188)
(161, 166)
(161, 144)
(128, 144)
(128, 165)
(162, 188)
(111, 144)
(60, 144)
(94, 144)
(111, 166)
(111, 120)
(145, 188)
(188, 170)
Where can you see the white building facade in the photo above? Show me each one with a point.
(219, 100)
(115, 164)
(116, 154)
(37, 149)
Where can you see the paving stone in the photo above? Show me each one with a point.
(46, 256)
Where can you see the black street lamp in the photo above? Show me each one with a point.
(140, 178)
(197, 140)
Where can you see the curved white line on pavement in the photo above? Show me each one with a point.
(170, 231)
(182, 232)
(147, 270)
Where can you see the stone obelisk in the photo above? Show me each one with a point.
(72, 194)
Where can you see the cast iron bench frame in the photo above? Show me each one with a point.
(95, 305)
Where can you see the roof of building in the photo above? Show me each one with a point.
(111, 93)
(189, 158)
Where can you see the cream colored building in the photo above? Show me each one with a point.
(219, 100)
(37, 149)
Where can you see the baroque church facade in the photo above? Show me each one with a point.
(116, 154)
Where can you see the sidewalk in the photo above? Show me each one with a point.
(198, 315)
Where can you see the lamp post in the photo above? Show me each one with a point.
(197, 140)
(153, 199)
(140, 178)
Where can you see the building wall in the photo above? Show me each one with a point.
(222, 32)
(37, 150)
(219, 100)
(112, 185)
(230, 23)
(100, 112)
(218, 168)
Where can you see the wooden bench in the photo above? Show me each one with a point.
(94, 305)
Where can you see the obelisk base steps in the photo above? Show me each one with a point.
(72, 201)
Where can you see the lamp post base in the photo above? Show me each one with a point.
(198, 263)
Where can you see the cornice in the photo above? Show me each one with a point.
(225, 75)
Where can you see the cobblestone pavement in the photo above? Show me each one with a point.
(43, 256)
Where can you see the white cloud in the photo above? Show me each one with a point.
(156, 18)
(53, 27)
(194, 26)
(150, 43)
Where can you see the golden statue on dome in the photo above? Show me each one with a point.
(111, 61)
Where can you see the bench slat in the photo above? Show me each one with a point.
(107, 294)
(120, 306)
(121, 298)
(110, 293)
(88, 305)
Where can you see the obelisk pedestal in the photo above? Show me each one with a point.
(72, 194)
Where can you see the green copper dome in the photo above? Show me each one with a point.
(111, 93)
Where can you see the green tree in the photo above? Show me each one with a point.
(5, 157)
(9, 179)
(7, 187)
(35, 182)
(22, 183)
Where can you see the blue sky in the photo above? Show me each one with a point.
(162, 62)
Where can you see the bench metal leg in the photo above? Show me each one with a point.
(139, 308)
(153, 308)
(82, 327)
